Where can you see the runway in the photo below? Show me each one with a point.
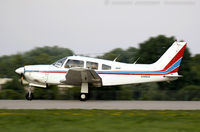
(120, 105)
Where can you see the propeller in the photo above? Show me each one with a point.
(21, 72)
(21, 78)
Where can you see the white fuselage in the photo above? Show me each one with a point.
(119, 74)
(111, 72)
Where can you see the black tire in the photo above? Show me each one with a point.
(83, 96)
(29, 97)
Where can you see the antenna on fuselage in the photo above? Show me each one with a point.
(116, 58)
(136, 60)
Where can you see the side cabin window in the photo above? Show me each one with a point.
(106, 67)
(74, 63)
(91, 65)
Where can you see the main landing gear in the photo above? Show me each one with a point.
(29, 94)
(84, 92)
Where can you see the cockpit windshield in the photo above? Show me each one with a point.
(60, 62)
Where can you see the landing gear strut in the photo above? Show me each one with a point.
(84, 92)
(29, 95)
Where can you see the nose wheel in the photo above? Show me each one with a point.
(29, 95)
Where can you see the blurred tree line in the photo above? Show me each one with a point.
(185, 88)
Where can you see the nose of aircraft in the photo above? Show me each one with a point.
(20, 70)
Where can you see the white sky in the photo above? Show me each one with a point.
(95, 26)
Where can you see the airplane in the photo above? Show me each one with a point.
(86, 72)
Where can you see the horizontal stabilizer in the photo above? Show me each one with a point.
(175, 75)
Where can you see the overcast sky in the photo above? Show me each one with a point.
(95, 26)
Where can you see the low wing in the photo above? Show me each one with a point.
(77, 76)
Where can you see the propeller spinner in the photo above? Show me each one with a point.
(21, 72)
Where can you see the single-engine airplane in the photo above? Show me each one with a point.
(86, 71)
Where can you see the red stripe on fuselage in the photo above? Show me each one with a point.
(135, 74)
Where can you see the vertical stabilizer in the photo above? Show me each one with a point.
(171, 59)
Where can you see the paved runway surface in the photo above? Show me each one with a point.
(123, 105)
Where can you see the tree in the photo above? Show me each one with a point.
(14, 85)
(152, 49)
(10, 94)
(12, 90)
(9, 63)
(195, 66)
(43, 55)
(51, 93)
(190, 92)
(126, 56)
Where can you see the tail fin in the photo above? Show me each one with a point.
(171, 59)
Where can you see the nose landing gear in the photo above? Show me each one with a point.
(29, 95)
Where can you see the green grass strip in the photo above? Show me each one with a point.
(99, 121)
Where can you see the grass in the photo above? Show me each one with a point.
(99, 121)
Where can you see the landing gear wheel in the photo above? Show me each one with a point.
(83, 97)
(29, 96)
